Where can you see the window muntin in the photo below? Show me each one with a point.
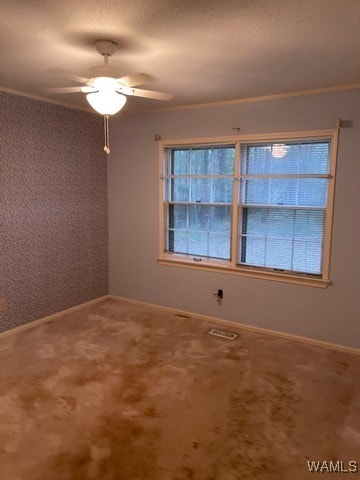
(259, 206)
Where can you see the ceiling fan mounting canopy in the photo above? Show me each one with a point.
(106, 47)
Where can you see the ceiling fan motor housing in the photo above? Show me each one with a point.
(105, 71)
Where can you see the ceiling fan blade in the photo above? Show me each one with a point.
(64, 74)
(139, 92)
(64, 89)
(135, 79)
(80, 88)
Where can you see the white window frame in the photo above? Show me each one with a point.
(231, 266)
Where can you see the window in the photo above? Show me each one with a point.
(251, 206)
(199, 192)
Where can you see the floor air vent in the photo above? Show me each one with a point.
(222, 334)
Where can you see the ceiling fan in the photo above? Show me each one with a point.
(107, 89)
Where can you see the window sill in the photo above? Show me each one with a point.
(222, 267)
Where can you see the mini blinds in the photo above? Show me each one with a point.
(282, 203)
(258, 206)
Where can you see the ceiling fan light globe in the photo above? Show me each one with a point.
(106, 103)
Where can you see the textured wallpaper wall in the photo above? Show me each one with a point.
(53, 207)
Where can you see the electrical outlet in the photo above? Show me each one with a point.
(219, 295)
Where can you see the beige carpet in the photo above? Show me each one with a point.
(123, 392)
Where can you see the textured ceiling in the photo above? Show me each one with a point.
(199, 51)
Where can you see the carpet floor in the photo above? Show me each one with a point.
(117, 391)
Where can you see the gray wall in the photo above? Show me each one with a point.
(53, 207)
(331, 314)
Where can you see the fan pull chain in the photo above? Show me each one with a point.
(106, 131)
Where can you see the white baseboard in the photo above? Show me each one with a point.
(231, 323)
(49, 318)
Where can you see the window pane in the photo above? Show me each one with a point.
(314, 157)
(286, 158)
(282, 238)
(309, 225)
(178, 216)
(178, 189)
(254, 253)
(255, 221)
(199, 230)
(198, 243)
(198, 218)
(256, 159)
(255, 191)
(223, 160)
(307, 257)
(177, 241)
(220, 219)
(200, 190)
(201, 163)
(280, 223)
(222, 190)
(312, 192)
(278, 253)
(180, 162)
(219, 246)
(289, 191)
